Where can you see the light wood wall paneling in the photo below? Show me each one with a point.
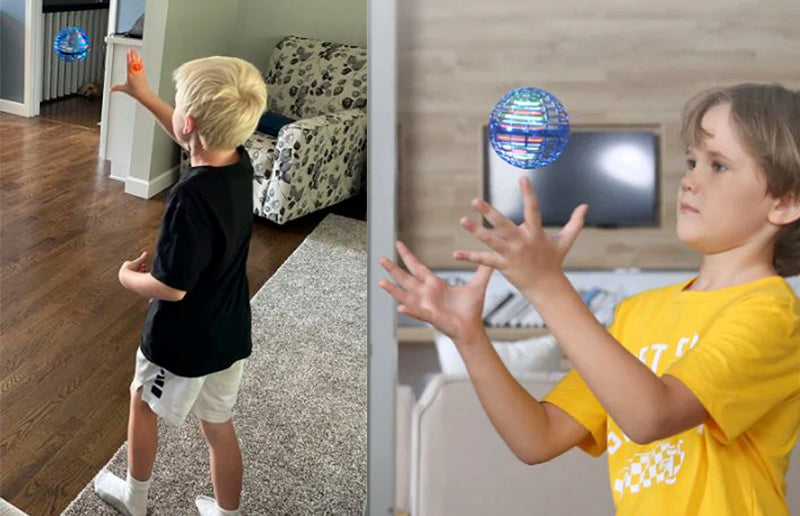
(611, 63)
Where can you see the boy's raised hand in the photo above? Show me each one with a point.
(524, 254)
(135, 83)
(455, 311)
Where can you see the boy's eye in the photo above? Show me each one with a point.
(717, 166)
(690, 163)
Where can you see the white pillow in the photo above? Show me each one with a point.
(536, 354)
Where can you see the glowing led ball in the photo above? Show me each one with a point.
(529, 128)
(71, 44)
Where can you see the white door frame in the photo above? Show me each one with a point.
(381, 227)
(32, 89)
(24, 108)
(31, 53)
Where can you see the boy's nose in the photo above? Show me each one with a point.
(688, 181)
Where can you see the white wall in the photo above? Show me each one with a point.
(260, 25)
(12, 50)
(181, 30)
(128, 12)
(175, 32)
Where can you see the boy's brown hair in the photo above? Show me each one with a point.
(766, 118)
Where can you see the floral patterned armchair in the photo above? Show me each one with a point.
(320, 159)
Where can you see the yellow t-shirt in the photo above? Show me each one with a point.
(738, 350)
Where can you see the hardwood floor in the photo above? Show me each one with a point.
(68, 330)
(75, 110)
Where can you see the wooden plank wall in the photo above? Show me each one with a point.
(610, 62)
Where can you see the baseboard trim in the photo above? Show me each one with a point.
(6, 509)
(147, 189)
(14, 108)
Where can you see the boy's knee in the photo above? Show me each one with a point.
(137, 402)
(136, 394)
(217, 432)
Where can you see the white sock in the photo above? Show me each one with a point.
(208, 507)
(128, 497)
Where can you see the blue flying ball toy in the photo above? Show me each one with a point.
(529, 128)
(71, 44)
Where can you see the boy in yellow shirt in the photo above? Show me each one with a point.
(694, 389)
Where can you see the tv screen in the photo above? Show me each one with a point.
(615, 173)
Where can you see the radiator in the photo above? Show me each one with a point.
(60, 78)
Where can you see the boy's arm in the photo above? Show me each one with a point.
(645, 406)
(162, 111)
(136, 86)
(144, 284)
(536, 432)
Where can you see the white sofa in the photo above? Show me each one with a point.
(452, 461)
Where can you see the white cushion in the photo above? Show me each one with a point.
(404, 409)
(524, 356)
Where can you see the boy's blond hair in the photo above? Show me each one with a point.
(766, 118)
(225, 95)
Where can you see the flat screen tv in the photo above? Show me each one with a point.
(614, 172)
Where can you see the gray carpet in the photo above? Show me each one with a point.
(302, 410)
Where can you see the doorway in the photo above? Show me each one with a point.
(72, 92)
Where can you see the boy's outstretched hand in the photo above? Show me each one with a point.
(135, 83)
(524, 254)
(455, 311)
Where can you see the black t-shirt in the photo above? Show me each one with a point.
(202, 249)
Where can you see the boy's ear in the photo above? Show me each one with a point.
(189, 124)
(786, 210)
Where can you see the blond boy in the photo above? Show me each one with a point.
(197, 332)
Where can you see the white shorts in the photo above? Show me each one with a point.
(172, 397)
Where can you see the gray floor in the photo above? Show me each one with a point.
(302, 411)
